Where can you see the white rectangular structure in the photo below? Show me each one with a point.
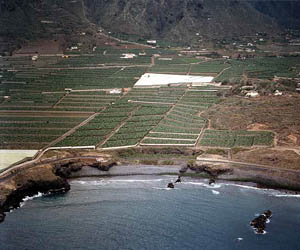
(150, 79)
(8, 156)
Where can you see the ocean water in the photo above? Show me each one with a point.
(138, 212)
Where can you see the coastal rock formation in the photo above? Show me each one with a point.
(259, 223)
(213, 170)
(45, 178)
(211, 181)
(170, 185)
(178, 180)
(29, 182)
(66, 167)
(2, 217)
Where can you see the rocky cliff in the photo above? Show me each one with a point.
(45, 177)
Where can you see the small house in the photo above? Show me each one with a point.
(115, 91)
(277, 93)
(252, 94)
(151, 42)
(128, 56)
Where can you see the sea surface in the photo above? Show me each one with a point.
(138, 212)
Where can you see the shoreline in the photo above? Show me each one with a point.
(52, 174)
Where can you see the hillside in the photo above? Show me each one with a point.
(182, 21)
(22, 21)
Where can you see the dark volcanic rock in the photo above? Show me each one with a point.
(178, 180)
(268, 213)
(32, 188)
(259, 223)
(45, 178)
(29, 182)
(2, 217)
(211, 181)
(170, 185)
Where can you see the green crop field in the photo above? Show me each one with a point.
(262, 68)
(230, 139)
(40, 101)
(215, 66)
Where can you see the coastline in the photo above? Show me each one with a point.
(51, 174)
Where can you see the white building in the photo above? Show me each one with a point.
(152, 42)
(277, 93)
(252, 94)
(150, 79)
(128, 56)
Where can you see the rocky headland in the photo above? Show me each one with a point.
(48, 175)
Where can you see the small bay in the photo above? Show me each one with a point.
(139, 212)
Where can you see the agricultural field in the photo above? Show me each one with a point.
(236, 138)
(89, 99)
(214, 66)
(182, 125)
(34, 131)
(180, 68)
(261, 68)
(96, 60)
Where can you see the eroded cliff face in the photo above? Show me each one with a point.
(46, 178)
(28, 183)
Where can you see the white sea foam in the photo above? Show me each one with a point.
(239, 239)
(264, 232)
(246, 187)
(28, 198)
(271, 192)
(288, 195)
(166, 188)
(94, 183)
(203, 184)
(137, 180)
(215, 192)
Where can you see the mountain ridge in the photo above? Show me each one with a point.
(176, 20)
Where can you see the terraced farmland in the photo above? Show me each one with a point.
(90, 100)
(182, 125)
(236, 138)
(262, 68)
(34, 131)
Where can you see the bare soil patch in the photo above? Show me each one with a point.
(277, 113)
(287, 159)
(42, 47)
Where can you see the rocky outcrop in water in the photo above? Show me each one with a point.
(178, 180)
(170, 185)
(259, 223)
(211, 181)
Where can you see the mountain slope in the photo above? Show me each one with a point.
(22, 21)
(285, 12)
(174, 20)
(179, 19)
